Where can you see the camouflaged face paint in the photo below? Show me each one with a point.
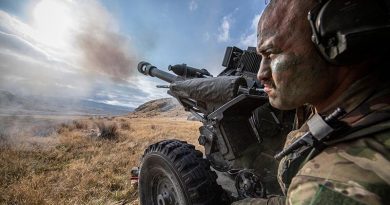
(284, 62)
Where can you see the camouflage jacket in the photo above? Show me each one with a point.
(354, 168)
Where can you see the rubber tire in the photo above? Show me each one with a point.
(184, 167)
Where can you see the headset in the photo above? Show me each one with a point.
(347, 32)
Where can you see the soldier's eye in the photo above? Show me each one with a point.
(266, 54)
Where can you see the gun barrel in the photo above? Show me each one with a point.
(148, 69)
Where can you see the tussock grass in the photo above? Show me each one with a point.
(125, 126)
(74, 125)
(79, 169)
(108, 131)
(4, 136)
(80, 124)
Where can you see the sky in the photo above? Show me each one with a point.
(89, 49)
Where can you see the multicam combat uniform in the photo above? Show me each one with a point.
(355, 167)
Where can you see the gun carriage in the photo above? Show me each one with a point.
(241, 133)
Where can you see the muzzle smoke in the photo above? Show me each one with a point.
(107, 52)
(104, 49)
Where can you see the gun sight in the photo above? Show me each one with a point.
(188, 72)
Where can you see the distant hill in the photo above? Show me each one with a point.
(11, 104)
(7, 98)
(165, 107)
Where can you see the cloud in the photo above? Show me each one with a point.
(193, 5)
(206, 36)
(96, 46)
(250, 37)
(130, 95)
(30, 76)
(224, 29)
(11, 42)
(93, 56)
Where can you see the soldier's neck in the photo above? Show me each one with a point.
(345, 78)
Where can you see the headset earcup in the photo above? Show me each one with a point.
(349, 31)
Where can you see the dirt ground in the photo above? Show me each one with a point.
(73, 162)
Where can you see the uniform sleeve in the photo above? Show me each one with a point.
(312, 192)
(352, 173)
(273, 200)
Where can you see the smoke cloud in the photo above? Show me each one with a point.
(102, 47)
(71, 49)
(107, 52)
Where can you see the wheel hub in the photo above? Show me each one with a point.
(161, 200)
(166, 194)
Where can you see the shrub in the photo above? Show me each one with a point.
(4, 136)
(80, 124)
(63, 127)
(108, 130)
(43, 130)
(125, 126)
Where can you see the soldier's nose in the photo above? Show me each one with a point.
(264, 73)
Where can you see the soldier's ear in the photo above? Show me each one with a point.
(349, 31)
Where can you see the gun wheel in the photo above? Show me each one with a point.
(174, 173)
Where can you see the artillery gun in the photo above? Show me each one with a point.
(241, 133)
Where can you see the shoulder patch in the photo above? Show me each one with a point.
(327, 196)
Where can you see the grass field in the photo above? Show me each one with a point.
(75, 163)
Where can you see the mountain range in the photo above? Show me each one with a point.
(12, 104)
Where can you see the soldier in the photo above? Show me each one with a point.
(337, 58)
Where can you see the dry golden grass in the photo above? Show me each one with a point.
(75, 166)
